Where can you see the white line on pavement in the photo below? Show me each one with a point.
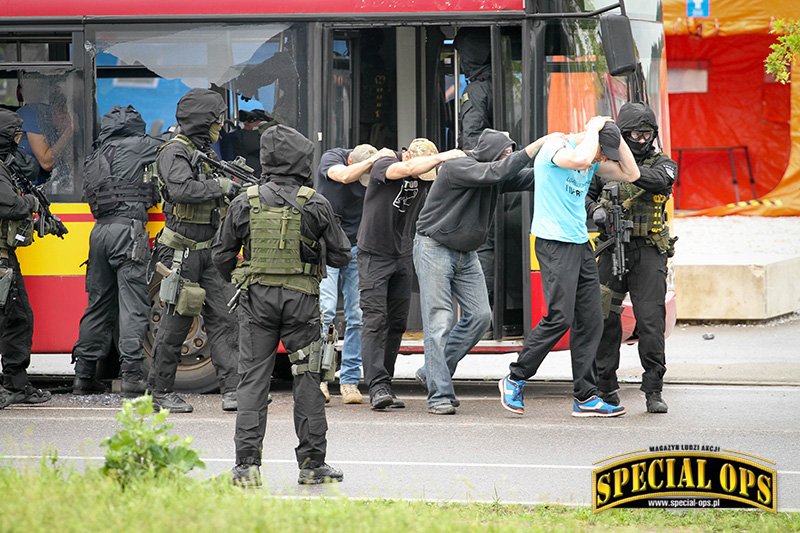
(367, 463)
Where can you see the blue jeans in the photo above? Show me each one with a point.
(350, 372)
(443, 274)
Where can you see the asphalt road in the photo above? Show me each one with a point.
(484, 453)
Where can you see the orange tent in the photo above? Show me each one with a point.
(730, 120)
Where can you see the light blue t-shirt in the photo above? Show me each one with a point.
(559, 212)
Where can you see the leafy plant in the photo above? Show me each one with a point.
(779, 61)
(144, 447)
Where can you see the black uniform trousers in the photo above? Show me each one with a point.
(117, 289)
(646, 281)
(221, 327)
(385, 285)
(268, 315)
(572, 291)
(16, 331)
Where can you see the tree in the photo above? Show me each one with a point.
(787, 48)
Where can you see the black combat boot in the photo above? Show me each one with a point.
(170, 400)
(30, 395)
(84, 386)
(324, 473)
(655, 403)
(246, 476)
(229, 401)
(5, 398)
(133, 387)
(381, 397)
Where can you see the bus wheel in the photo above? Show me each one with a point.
(195, 372)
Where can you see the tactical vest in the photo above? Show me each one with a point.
(200, 213)
(275, 238)
(645, 209)
(107, 193)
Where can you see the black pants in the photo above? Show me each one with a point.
(268, 315)
(385, 285)
(572, 291)
(221, 327)
(16, 331)
(647, 283)
(117, 289)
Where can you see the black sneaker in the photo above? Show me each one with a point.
(321, 474)
(655, 403)
(30, 395)
(85, 386)
(170, 400)
(611, 398)
(397, 403)
(246, 476)
(381, 398)
(229, 402)
(133, 387)
(5, 398)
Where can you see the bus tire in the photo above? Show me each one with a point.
(195, 372)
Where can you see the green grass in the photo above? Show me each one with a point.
(55, 498)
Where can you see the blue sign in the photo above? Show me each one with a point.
(698, 8)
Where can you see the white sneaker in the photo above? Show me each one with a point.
(323, 386)
(350, 393)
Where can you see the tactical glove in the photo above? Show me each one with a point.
(33, 201)
(599, 216)
(228, 187)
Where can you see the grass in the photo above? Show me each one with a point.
(53, 497)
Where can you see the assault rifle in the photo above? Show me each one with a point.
(237, 168)
(618, 230)
(46, 218)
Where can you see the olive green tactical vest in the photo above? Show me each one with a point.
(275, 239)
(645, 209)
(190, 213)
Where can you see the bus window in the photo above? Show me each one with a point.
(39, 81)
(152, 66)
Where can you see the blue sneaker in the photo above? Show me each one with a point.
(594, 406)
(511, 394)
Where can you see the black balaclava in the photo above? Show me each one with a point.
(10, 126)
(636, 116)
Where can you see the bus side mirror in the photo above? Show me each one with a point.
(615, 33)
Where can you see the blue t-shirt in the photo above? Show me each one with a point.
(30, 123)
(559, 212)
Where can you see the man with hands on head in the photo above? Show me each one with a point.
(564, 170)
(342, 177)
(396, 192)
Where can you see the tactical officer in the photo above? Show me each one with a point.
(16, 315)
(194, 206)
(119, 250)
(650, 245)
(288, 233)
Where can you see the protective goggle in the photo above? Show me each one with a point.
(645, 135)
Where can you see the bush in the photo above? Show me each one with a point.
(144, 446)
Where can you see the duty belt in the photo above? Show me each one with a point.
(116, 220)
(176, 241)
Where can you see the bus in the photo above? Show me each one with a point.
(343, 72)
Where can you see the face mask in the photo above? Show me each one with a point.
(214, 131)
(639, 150)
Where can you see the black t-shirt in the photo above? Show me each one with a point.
(391, 208)
(347, 199)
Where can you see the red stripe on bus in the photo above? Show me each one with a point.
(140, 8)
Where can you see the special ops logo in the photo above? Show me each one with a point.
(685, 476)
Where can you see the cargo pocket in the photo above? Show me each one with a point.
(317, 425)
